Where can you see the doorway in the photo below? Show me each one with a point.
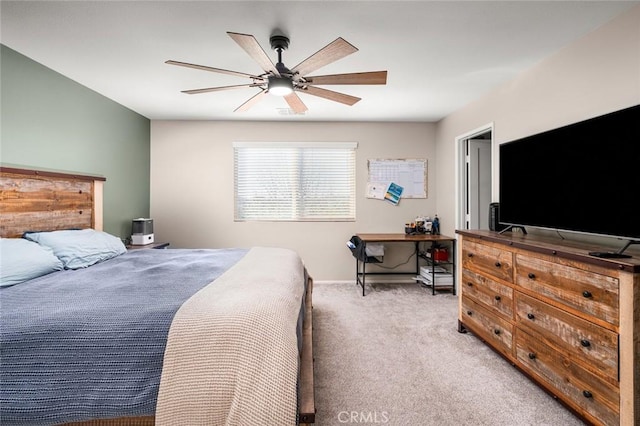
(475, 159)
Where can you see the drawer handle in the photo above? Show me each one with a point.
(498, 264)
(532, 355)
(498, 298)
(532, 276)
(530, 316)
(587, 394)
(470, 284)
(469, 313)
(585, 343)
(469, 254)
(496, 331)
(587, 294)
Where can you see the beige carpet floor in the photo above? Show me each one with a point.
(394, 357)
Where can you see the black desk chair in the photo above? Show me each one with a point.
(358, 250)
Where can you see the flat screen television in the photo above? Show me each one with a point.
(583, 177)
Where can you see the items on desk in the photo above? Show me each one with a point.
(435, 226)
(422, 225)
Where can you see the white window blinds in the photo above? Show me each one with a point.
(294, 181)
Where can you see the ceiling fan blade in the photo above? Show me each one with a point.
(331, 95)
(216, 89)
(374, 77)
(295, 103)
(205, 68)
(253, 48)
(251, 102)
(337, 49)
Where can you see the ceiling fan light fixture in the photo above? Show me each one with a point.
(280, 86)
(281, 81)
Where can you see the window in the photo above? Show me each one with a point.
(298, 181)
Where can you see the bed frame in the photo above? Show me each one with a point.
(39, 200)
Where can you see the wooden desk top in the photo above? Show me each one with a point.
(393, 238)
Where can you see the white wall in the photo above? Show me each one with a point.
(192, 162)
(599, 73)
(192, 188)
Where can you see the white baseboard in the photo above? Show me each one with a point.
(371, 280)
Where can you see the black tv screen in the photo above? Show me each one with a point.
(584, 177)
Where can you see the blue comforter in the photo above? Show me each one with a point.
(91, 341)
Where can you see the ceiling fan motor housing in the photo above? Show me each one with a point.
(279, 42)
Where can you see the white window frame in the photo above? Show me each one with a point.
(291, 206)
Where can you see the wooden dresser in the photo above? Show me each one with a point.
(569, 321)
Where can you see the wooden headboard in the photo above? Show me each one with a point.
(36, 200)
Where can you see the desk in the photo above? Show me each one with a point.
(416, 240)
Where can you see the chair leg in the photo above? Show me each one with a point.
(364, 274)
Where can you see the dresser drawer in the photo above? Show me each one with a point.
(593, 344)
(489, 327)
(585, 291)
(491, 294)
(491, 260)
(580, 388)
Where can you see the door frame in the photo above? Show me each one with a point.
(460, 179)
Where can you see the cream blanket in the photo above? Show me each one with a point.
(232, 352)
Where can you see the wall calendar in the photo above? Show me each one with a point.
(410, 174)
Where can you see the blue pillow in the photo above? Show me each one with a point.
(22, 260)
(79, 248)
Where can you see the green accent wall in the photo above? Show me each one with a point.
(51, 122)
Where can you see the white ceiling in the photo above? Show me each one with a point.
(440, 55)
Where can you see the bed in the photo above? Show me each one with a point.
(143, 337)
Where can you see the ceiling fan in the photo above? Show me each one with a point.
(281, 81)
